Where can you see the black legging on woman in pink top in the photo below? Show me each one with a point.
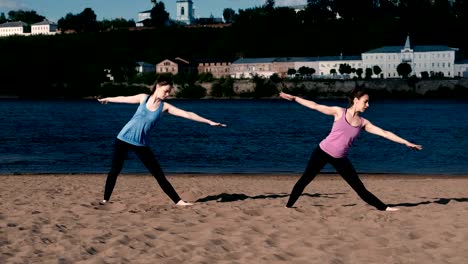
(343, 166)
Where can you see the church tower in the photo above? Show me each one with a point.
(185, 12)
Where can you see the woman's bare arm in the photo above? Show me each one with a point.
(371, 128)
(324, 109)
(189, 115)
(134, 99)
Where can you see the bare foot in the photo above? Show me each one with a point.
(182, 203)
(392, 209)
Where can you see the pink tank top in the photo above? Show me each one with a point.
(341, 137)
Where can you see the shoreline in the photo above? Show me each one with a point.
(250, 174)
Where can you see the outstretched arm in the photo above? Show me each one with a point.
(371, 128)
(134, 99)
(324, 109)
(189, 115)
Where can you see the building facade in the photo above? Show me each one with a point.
(250, 67)
(461, 69)
(142, 16)
(45, 27)
(431, 59)
(144, 67)
(13, 28)
(175, 66)
(329, 64)
(185, 12)
(218, 68)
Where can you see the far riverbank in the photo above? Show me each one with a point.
(396, 88)
(266, 88)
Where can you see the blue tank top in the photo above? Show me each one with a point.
(136, 131)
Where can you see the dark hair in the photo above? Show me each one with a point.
(162, 80)
(357, 92)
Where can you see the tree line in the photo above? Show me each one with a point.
(74, 64)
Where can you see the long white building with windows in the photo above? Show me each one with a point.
(435, 60)
(45, 27)
(13, 28)
(20, 28)
(431, 59)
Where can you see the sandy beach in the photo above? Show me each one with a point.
(235, 219)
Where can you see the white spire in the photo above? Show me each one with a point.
(407, 43)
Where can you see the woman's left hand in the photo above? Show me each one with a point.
(414, 146)
(217, 124)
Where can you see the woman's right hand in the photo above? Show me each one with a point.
(103, 100)
(287, 96)
(414, 146)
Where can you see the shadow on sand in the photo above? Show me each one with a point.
(232, 197)
(437, 201)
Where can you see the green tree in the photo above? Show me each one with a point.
(88, 21)
(224, 87)
(269, 4)
(377, 70)
(82, 22)
(228, 15)
(354, 10)
(404, 69)
(159, 15)
(344, 68)
(192, 91)
(117, 23)
(424, 75)
(291, 71)
(28, 17)
(2, 18)
(368, 73)
(359, 73)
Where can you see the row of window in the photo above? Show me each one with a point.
(418, 65)
(40, 28)
(337, 65)
(431, 55)
(11, 29)
(216, 70)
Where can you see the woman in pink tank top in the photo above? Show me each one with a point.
(334, 148)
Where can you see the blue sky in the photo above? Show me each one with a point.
(128, 9)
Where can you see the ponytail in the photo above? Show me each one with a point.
(357, 92)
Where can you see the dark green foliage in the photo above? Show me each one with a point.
(404, 69)
(28, 17)
(74, 64)
(191, 91)
(205, 77)
(82, 22)
(264, 87)
(109, 89)
(275, 78)
(223, 87)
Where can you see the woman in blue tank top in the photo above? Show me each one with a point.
(135, 135)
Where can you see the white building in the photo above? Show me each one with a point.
(13, 28)
(45, 27)
(329, 63)
(142, 16)
(185, 12)
(249, 67)
(430, 59)
(144, 67)
(461, 69)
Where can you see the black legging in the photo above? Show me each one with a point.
(343, 166)
(146, 156)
